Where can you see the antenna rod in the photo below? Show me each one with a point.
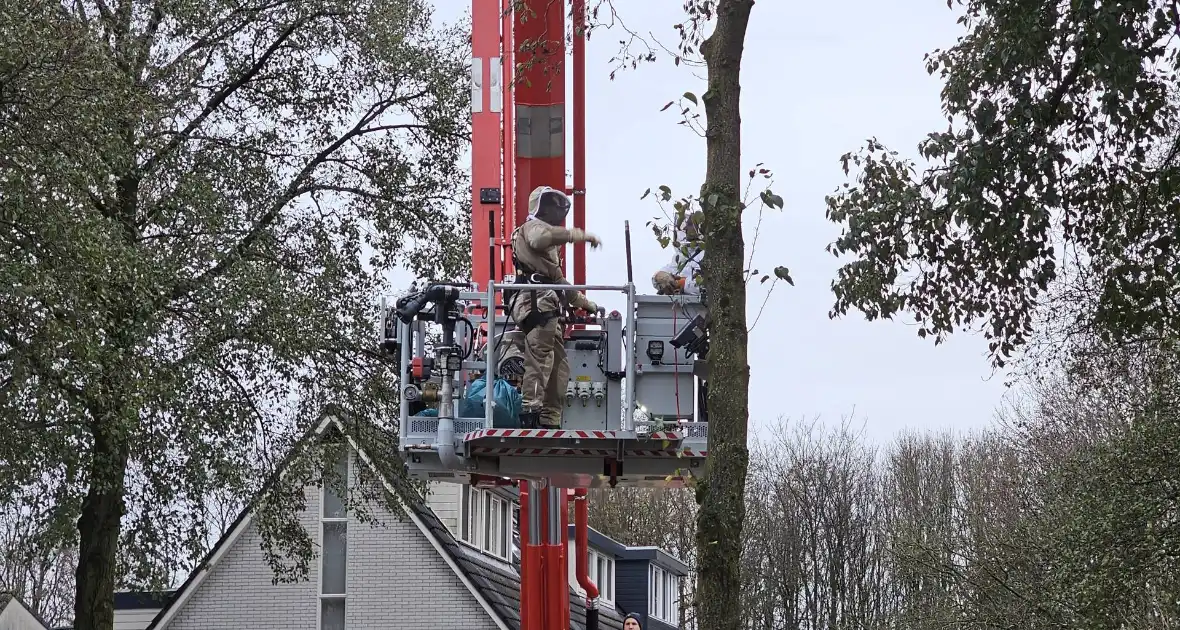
(627, 230)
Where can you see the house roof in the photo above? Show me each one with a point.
(600, 541)
(7, 598)
(658, 557)
(142, 600)
(655, 555)
(495, 586)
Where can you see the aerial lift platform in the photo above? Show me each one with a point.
(630, 413)
(632, 416)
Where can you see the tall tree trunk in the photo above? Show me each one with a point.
(722, 494)
(99, 526)
(114, 414)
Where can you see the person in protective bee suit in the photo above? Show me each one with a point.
(536, 246)
(680, 276)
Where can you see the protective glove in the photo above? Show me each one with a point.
(578, 235)
(591, 307)
(668, 284)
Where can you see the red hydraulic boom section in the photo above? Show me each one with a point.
(519, 143)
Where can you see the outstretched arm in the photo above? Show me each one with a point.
(549, 235)
(542, 239)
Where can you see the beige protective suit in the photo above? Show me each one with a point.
(536, 246)
(680, 276)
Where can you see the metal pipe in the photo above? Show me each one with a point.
(446, 408)
(481, 295)
(384, 318)
(508, 150)
(565, 552)
(627, 240)
(579, 112)
(556, 578)
(555, 533)
(574, 287)
(403, 367)
(535, 512)
(446, 425)
(489, 364)
(629, 356)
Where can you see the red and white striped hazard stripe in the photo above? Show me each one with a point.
(578, 434)
(668, 453)
(584, 452)
(541, 433)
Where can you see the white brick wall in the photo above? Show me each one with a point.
(396, 580)
(238, 592)
(407, 584)
(444, 500)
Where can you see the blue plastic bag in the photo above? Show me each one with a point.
(505, 415)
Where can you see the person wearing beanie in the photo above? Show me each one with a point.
(633, 621)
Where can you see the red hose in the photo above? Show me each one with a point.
(582, 544)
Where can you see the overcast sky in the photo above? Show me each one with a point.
(817, 80)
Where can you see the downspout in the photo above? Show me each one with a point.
(582, 552)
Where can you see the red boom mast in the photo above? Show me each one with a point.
(518, 143)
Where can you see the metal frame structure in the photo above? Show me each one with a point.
(539, 87)
(518, 120)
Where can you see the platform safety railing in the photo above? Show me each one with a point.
(628, 391)
(405, 332)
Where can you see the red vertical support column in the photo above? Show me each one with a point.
(486, 145)
(538, 33)
(579, 120)
(508, 72)
(541, 503)
(557, 594)
(532, 602)
(565, 554)
(539, 45)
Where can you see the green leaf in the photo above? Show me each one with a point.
(691, 97)
(783, 273)
(772, 200)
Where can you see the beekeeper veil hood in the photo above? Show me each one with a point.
(549, 205)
